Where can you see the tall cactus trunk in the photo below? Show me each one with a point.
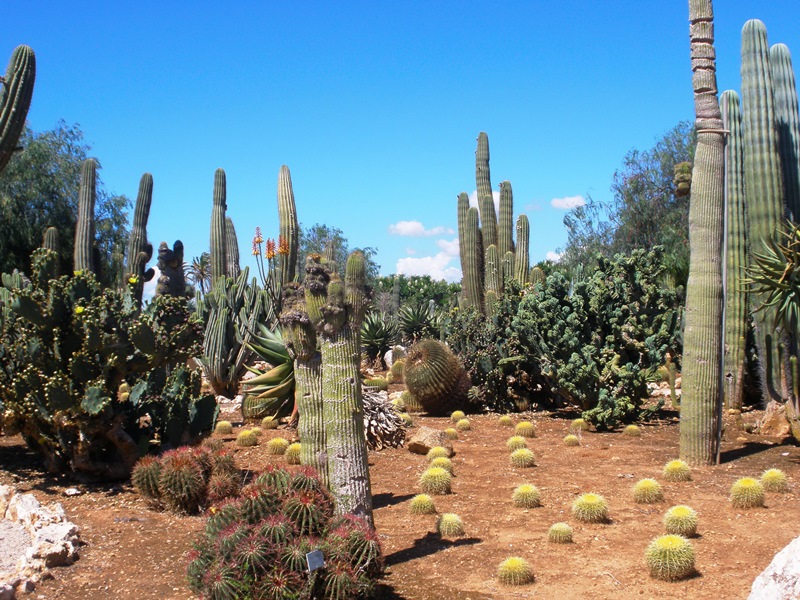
(16, 92)
(522, 258)
(140, 252)
(83, 256)
(218, 251)
(736, 253)
(702, 368)
(472, 261)
(492, 271)
(788, 124)
(232, 268)
(288, 240)
(505, 226)
(483, 183)
(764, 184)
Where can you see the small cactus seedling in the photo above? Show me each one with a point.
(443, 462)
(515, 571)
(505, 421)
(246, 438)
(571, 440)
(292, 454)
(377, 382)
(525, 429)
(223, 428)
(451, 433)
(579, 425)
(399, 404)
(647, 491)
(437, 452)
(681, 520)
(269, 423)
(277, 446)
(435, 481)
(774, 480)
(632, 431)
(422, 504)
(747, 492)
(670, 558)
(527, 496)
(450, 525)
(407, 420)
(463, 425)
(257, 431)
(677, 470)
(457, 416)
(559, 533)
(590, 508)
(516, 442)
(523, 459)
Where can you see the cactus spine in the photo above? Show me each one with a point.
(736, 252)
(83, 256)
(522, 258)
(16, 92)
(218, 250)
(289, 229)
(232, 268)
(700, 403)
(140, 252)
(788, 124)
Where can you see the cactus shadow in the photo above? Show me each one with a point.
(748, 449)
(383, 500)
(430, 543)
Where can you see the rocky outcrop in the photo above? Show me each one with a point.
(781, 579)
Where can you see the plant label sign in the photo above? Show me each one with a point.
(315, 560)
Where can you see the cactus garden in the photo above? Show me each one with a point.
(283, 417)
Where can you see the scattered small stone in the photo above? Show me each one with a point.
(72, 492)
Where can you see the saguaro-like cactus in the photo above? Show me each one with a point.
(505, 227)
(51, 240)
(288, 240)
(83, 256)
(788, 124)
(16, 91)
(472, 260)
(231, 250)
(701, 400)
(736, 252)
(219, 255)
(483, 183)
(492, 272)
(522, 258)
(140, 252)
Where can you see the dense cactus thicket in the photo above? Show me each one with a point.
(16, 91)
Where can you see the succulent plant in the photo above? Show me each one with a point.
(525, 429)
(257, 431)
(277, 446)
(670, 558)
(223, 428)
(292, 453)
(410, 401)
(647, 491)
(269, 422)
(681, 520)
(632, 431)
(515, 571)
(677, 470)
(246, 437)
(435, 377)
(559, 533)
(399, 404)
(15, 100)
(572, 440)
(421, 504)
(223, 485)
(457, 415)
(442, 462)
(437, 452)
(463, 425)
(590, 508)
(407, 420)
(747, 492)
(579, 425)
(450, 525)
(451, 433)
(145, 476)
(522, 459)
(181, 483)
(527, 496)
(436, 481)
(397, 369)
(377, 382)
(505, 421)
(516, 442)
(774, 480)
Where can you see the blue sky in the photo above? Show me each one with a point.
(375, 107)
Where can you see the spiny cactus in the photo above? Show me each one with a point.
(450, 525)
(451, 433)
(590, 508)
(421, 504)
(145, 476)
(218, 230)
(442, 462)
(522, 458)
(505, 421)
(774, 480)
(246, 438)
(522, 257)
(515, 442)
(289, 236)
(83, 257)
(647, 491)
(457, 415)
(277, 446)
(397, 369)
(435, 378)
(292, 454)
(559, 533)
(527, 496)
(463, 425)
(515, 571)
(223, 428)
(435, 480)
(140, 252)
(681, 520)
(15, 100)
(181, 483)
(632, 431)
(677, 470)
(269, 423)
(525, 429)
(231, 249)
(438, 452)
(571, 440)
(579, 425)
(379, 383)
(670, 558)
(256, 431)
(747, 492)
(407, 420)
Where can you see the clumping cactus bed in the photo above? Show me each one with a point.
(134, 552)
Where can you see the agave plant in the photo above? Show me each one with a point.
(271, 392)
(378, 335)
(418, 321)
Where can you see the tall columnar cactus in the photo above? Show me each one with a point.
(492, 272)
(232, 268)
(522, 258)
(508, 267)
(16, 91)
(488, 221)
(288, 229)
(763, 182)
(472, 260)
(51, 240)
(83, 256)
(218, 247)
(736, 252)
(483, 183)
(505, 227)
(140, 252)
(172, 280)
(788, 124)
(701, 400)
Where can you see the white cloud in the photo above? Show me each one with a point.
(411, 251)
(473, 200)
(438, 267)
(416, 229)
(150, 286)
(568, 202)
(554, 256)
(450, 248)
(533, 207)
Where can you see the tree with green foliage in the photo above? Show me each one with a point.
(198, 272)
(39, 189)
(418, 289)
(331, 243)
(644, 211)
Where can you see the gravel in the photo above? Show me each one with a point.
(14, 540)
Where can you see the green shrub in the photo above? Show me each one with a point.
(670, 558)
